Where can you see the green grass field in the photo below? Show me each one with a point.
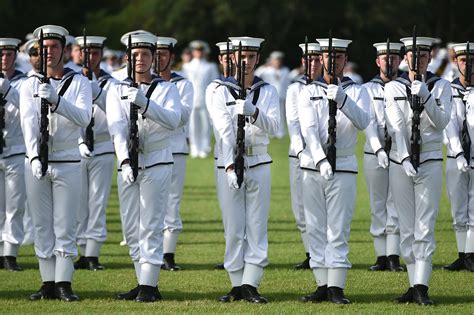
(196, 288)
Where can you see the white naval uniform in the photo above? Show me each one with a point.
(12, 172)
(53, 199)
(417, 198)
(143, 203)
(329, 204)
(460, 185)
(201, 73)
(179, 148)
(384, 218)
(96, 177)
(296, 147)
(121, 73)
(245, 210)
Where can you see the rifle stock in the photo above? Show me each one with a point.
(86, 66)
(44, 120)
(133, 144)
(3, 102)
(331, 144)
(416, 107)
(239, 159)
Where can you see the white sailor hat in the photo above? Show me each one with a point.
(91, 41)
(248, 43)
(143, 40)
(461, 48)
(223, 47)
(124, 38)
(395, 48)
(9, 43)
(166, 42)
(30, 46)
(339, 45)
(52, 32)
(70, 40)
(313, 48)
(199, 45)
(424, 43)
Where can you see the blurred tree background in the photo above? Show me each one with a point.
(282, 23)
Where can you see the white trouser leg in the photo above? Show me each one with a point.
(393, 244)
(380, 245)
(129, 197)
(149, 274)
(458, 188)
(422, 272)
(236, 277)
(252, 275)
(138, 267)
(47, 268)
(470, 240)
(170, 239)
(470, 230)
(296, 190)
(337, 277)
(10, 249)
(411, 274)
(461, 241)
(193, 132)
(27, 225)
(93, 248)
(82, 250)
(173, 223)
(64, 269)
(1, 249)
(321, 276)
(206, 130)
(82, 214)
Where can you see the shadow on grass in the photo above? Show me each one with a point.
(387, 297)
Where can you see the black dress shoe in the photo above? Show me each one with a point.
(320, 295)
(64, 292)
(46, 292)
(9, 263)
(130, 295)
(93, 264)
(304, 265)
(336, 295)
(148, 294)
(81, 263)
(420, 295)
(457, 265)
(1, 262)
(406, 297)
(168, 263)
(235, 294)
(250, 294)
(393, 263)
(380, 264)
(219, 267)
(469, 262)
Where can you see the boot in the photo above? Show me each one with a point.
(320, 295)
(420, 295)
(148, 294)
(64, 292)
(168, 262)
(250, 294)
(235, 294)
(219, 267)
(9, 263)
(81, 263)
(46, 292)
(469, 262)
(393, 263)
(380, 264)
(130, 295)
(304, 264)
(336, 295)
(93, 264)
(457, 265)
(406, 297)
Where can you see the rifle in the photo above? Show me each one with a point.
(239, 159)
(133, 144)
(44, 120)
(86, 65)
(307, 62)
(157, 62)
(417, 107)
(388, 72)
(465, 138)
(331, 144)
(3, 102)
(228, 61)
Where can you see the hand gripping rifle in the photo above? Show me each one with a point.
(465, 138)
(239, 159)
(331, 144)
(417, 107)
(44, 120)
(133, 144)
(389, 74)
(3, 102)
(86, 66)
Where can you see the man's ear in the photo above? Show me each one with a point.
(377, 62)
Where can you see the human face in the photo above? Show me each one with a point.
(382, 61)
(425, 58)
(251, 59)
(165, 58)
(197, 53)
(461, 61)
(8, 59)
(143, 59)
(315, 66)
(34, 60)
(76, 54)
(95, 56)
(54, 52)
(341, 60)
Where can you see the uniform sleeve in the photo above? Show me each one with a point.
(452, 131)
(396, 121)
(270, 121)
(371, 132)
(223, 124)
(30, 118)
(169, 114)
(117, 122)
(186, 103)
(309, 122)
(292, 119)
(13, 96)
(80, 112)
(358, 111)
(439, 114)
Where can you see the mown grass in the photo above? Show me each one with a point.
(201, 246)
